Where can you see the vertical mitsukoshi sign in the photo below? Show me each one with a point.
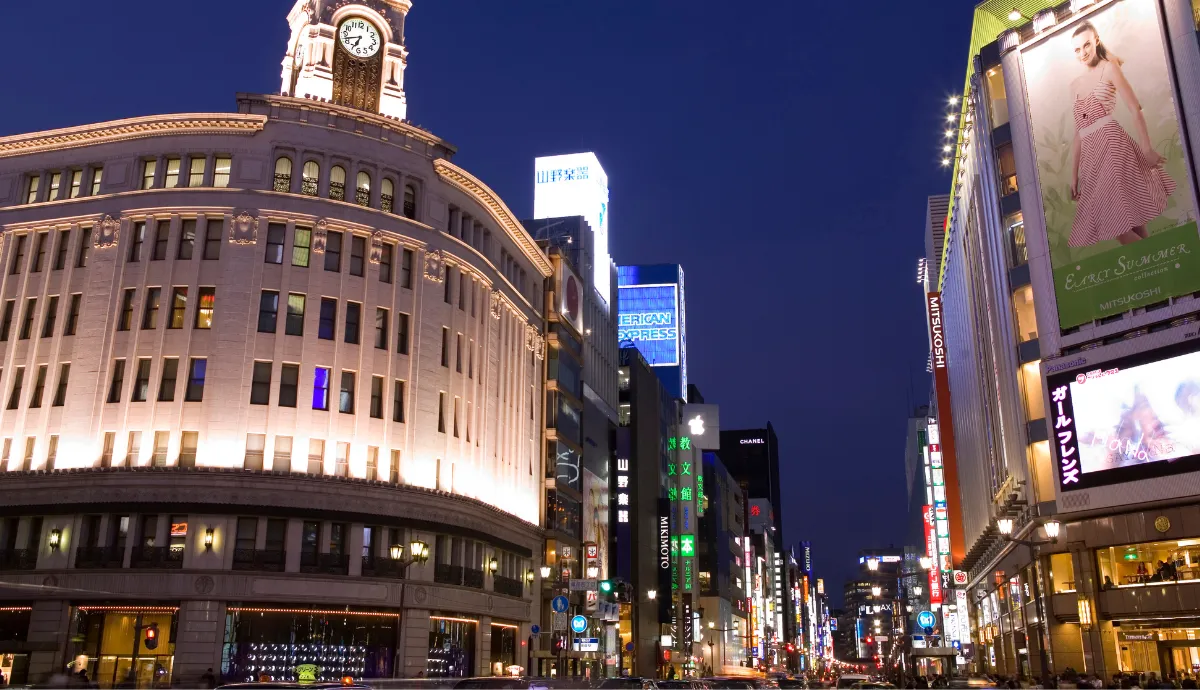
(944, 466)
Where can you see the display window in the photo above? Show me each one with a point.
(1149, 563)
(14, 627)
(504, 649)
(114, 645)
(451, 647)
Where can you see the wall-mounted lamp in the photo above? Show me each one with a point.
(55, 538)
(545, 569)
(529, 576)
(396, 551)
(1052, 528)
(418, 551)
(493, 565)
(1085, 611)
(651, 594)
(1005, 525)
(208, 539)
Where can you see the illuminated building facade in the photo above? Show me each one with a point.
(652, 317)
(723, 582)
(252, 359)
(1041, 431)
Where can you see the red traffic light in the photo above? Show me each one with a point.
(151, 636)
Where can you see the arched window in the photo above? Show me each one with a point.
(410, 201)
(337, 183)
(283, 174)
(309, 177)
(362, 190)
(387, 191)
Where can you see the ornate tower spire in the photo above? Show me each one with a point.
(349, 53)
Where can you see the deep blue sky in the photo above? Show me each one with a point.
(780, 151)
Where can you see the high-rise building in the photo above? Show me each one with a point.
(867, 601)
(653, 318)
(265, 367)
(721, 548)
(752, 456)
(575, 184)
(1063, 320)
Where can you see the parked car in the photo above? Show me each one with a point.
(489, 682)
(292, 685)
(628, 683)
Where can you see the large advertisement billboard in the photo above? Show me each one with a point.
(1133, 418)
(1120, 216)
(574, 184)
(648, 317)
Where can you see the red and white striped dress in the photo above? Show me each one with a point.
(1118, 188)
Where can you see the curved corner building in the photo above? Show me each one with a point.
(249, 364)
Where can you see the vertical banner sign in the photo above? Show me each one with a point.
(935, 578)
(665, 565)
(944, 435)
(622, 566)
(688, 632)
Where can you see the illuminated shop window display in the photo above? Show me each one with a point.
(504, 648)
(110, 642)
(451, 647)
(285, 644)
(14, 628)
(1150, 563)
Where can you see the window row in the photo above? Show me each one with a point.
(310, 180)
(39, 386)
(287, 391)
(170, 172)
(49, 318)
(48, 186)
(209, 232)
(62, 245)
(176, 317)
(168, 383)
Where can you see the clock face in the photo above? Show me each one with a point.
(359, 37)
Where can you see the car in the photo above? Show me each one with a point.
(793, 683)
(488, 682)
(411, 683)
(683, 684)
(741, 683)
(848, 680)
(628, 683)
(293, 685)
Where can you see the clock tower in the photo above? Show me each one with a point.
(349, 53)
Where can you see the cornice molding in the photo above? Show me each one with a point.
(395, 124)
(132, 128)
(469, 184)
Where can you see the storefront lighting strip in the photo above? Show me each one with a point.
(15, 609)
(316, 611)
(132, 609)
(503, 625)
(456, 620)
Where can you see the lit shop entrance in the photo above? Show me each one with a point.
(14, 629)
(451, 647)
(1162, 650)
(110, 641)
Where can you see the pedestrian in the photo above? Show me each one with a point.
(208, 679)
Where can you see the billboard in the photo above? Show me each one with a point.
(595, 521)
(649, 318)
(570, 297)
(1120, 216)
(1135, 417)
(575, 185)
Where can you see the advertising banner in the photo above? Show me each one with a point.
(595, 520)
(649, 318)
(1132, 418)
(664, 560)
(940, 433)
(574, 184)
(1120, 216)
(570, 297)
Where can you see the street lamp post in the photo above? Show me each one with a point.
(1051, 527)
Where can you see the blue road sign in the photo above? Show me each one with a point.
(535, 629)
(559, 604)
(926, 619)
(579, 624)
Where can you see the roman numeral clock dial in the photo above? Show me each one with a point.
(359, 37)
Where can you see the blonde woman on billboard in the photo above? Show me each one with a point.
(1117, 180)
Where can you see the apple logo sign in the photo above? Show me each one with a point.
(696, 424)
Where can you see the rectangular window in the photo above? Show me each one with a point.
(295, 314)
(398, 402)
(171, 178)
(445, 347)
(168, 382)
(221, 169)
(456, 416)
(385, 263)
(471, 359)
(125, 319)
(448, 287)
(381, 328)
(150, 310)
(458, 353)
(282, 459)
(31, 193)
(137, 237)
(187, 239)
(196, 171)
(406, 265)
(60, 250)
(30, 315)
(6, 322)
(39, 251)
(18, 255)
(377, 397)
(178, 307)
(260, 384)
(346, 399)
(358, 251)
(14, 398)
(197, 368)
(85, 248)
(133, 449)
(320, 395)
(301, 244)
(212, 241)
(39, 387)
(118, 378)
(205, 307)
(141, 380)
(402, 333)
(55, 185)
(276, 237)
(341, 467)
(462, 291)
(372, 471)
(353, 318)
(289, 378)
(60, 392)
(326, 326)
(51, 316)
(474, 295)
(72, 314)
(76, 184)
(394, 468)
(148, 168)
(106, 454)
(256, 446)
(310, 534)
(162, 235)
(333, 251)
(30, 444)
(159, 456)
(441, 413)
(268, 311)
(97, 177)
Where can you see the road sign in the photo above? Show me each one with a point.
(561, 620)
(535, 629)
(587, 644)
(579, 624)
(926, 619)
(559, 604)
(584, 585)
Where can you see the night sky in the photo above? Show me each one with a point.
(780, 151)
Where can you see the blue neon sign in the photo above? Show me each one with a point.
(648, 316)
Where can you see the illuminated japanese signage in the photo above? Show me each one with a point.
(575, 185)
(621, 495)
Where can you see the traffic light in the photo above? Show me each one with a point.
(606, 586)
(151, 634)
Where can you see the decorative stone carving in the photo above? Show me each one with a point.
(539, 349)
(433, 265)
(107, 232)
(420, 595)
(204, 585)
(243, 229)
(320, 234)
(490, 603)
(530, 337)
(50, 581)
(3, 242)
(376, 247)
(495, 305)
